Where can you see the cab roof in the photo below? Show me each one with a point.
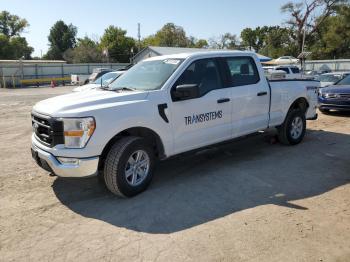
(201, 54)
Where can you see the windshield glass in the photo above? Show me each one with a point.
(345, 81)
(328, 78)
(106, 78)
(146, 75)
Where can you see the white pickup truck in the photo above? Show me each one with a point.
(162, 107)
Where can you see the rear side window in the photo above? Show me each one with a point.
(204, 73)
(243, 71)
(295, 70)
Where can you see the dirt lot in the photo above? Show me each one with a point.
(246, 201)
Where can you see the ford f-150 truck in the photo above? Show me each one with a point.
(162, 107)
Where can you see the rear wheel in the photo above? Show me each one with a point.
(129, 166)
(292, 131)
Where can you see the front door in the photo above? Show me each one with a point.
(206, 119)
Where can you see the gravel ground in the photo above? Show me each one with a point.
(248, 200)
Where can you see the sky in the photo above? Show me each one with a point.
(199, 18)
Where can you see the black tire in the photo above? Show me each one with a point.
(117, 161)
(325, 111)
(285, 130)
(86, 82)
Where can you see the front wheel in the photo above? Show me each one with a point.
(129, 166)
(292, 131)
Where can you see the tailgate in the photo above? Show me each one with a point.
(312, 96)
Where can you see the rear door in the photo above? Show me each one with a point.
(250, 96)
(206, 119)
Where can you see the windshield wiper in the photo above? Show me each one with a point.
(124, 88)
(104, 87)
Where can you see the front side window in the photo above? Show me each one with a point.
(295, 70)
(243, 71)
(204, 73)
(146, 75)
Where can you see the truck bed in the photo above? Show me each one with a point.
(283, 91)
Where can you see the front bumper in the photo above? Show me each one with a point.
(334, 104)
(334, 107)
(85, 167)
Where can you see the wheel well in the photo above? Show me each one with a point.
(150, 136)
(300, 103)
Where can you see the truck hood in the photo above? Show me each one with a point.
(337, 89)
(85, 87)
(79, 103)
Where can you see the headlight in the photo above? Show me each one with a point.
(327, 95)
(77, 131)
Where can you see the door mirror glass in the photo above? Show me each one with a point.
(188, 91)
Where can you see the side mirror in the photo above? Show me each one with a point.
(184, 92)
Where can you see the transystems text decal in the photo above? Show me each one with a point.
(205, 117)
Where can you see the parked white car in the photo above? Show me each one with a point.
(272, 74)
(287, 60)
(86, 79)
(328, 79)
(79, 79)
(164, 106)
(102, 81)
(292, 72)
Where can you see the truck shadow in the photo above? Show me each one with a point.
(192, 190)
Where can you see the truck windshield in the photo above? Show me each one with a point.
(329, 78)
(146, 75)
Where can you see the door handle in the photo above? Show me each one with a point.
(223, 100)
(262, 93)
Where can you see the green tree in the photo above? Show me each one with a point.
(5, 52)
(12, 45)
(225, 41)
(171, 35)
(118, 45)
(85, 51)
(197, 43)
(254, 38)
(61, 38)
(278, 42)
(20, 48)
(333, 37)
(11, 25)
(150, 41)
(201, 43)
(249, 38)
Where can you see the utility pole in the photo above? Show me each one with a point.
(139, 36)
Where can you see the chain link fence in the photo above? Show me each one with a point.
(328, 65)
(19, 74)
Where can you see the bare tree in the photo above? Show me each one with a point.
(308, 15)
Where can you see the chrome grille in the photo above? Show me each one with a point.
(49, 131)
